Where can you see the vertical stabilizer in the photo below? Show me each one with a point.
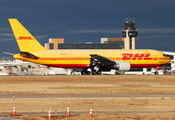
(25, 40)
(9, 71)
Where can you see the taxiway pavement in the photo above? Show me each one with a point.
(89, 96)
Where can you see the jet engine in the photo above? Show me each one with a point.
(122, 66)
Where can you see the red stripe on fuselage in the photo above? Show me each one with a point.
(163, 58)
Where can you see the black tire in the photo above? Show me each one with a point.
(88, 72)
(98, 72)
(93, 72)
(156, 73)
(83, 72)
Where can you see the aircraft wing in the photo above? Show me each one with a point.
(101, 60)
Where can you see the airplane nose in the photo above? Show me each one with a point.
(168, 59)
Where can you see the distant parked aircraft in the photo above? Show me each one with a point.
(10, 72)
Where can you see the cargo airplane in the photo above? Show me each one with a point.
(90, 61)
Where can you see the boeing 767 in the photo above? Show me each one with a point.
(91, 61)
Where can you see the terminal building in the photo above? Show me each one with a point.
(106, 43)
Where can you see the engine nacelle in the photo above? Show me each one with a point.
(122, 66)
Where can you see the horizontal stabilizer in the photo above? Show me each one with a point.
(28, 55)
(8, 53)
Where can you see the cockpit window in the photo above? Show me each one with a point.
(170, 56)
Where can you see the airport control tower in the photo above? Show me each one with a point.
(129, 33)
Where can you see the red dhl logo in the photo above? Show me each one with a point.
(25, 38)
(137, 56)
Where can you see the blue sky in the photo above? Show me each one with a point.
(80, 21)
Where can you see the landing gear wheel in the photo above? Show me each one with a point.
(156, 73)
(93, 72)
(88, 72)
(98, 72)
(83, 72)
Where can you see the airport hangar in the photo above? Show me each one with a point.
(127, 42)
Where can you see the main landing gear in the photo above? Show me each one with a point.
(85, 72)
(93, 72)
(94, 69)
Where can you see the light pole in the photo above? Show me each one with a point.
(137, 46)
(167, 46)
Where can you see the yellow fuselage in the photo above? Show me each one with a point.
(80, 58)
